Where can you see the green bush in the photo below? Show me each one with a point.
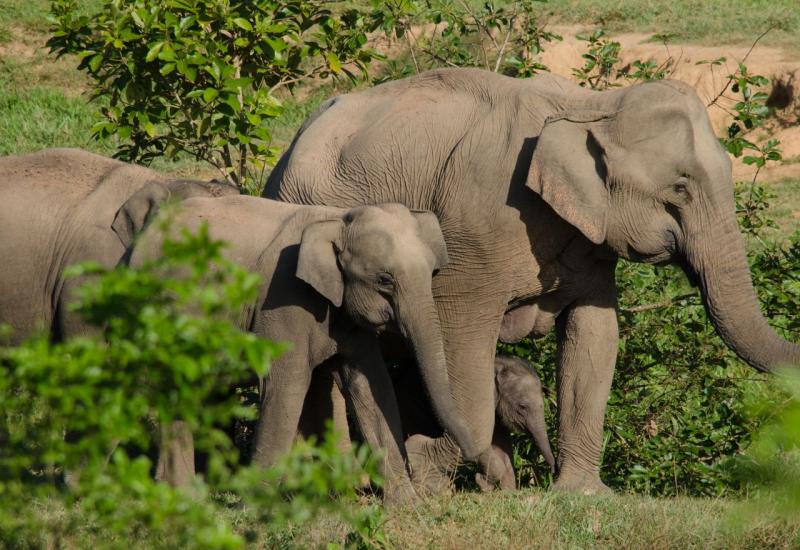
(198, 76)
(165, 350)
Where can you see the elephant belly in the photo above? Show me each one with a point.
(526, 320)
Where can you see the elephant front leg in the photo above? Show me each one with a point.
(366, 384)
(282, 393)
(175, 454)
(587, 350)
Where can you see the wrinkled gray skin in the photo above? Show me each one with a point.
(519, 409)
(540, 185)
(60, 207)
(332, 279)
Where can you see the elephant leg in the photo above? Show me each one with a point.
(497, 469)
(470, 339)
(587, 350)
(175, 454)
(325, 401)
(368, 388)
(283, 392)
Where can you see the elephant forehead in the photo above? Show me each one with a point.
(372, 247)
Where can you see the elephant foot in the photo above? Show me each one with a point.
(585, 484)
(399, 494)
(429, 479)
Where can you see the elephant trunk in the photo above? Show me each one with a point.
(418, 321)
(538, 431)
(720, 263)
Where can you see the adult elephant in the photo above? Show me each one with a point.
(59, 207)
(539, 186)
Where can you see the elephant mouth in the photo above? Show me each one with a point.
(656, 258)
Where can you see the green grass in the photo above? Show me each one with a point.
(40, 117)
(707, 21)
(534, 519)
(530, 519)
(786, 206)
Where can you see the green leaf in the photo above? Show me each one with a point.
(153, 52)
(94, 62)
(210, 94)
(243, 23)
(333, 62)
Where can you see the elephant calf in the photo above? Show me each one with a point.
(332, 278)
(519, 408)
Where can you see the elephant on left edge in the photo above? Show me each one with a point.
(60, 207)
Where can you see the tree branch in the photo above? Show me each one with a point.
(731, 77)
(658, 305)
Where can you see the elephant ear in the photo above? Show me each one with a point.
(430, 232)
(317, 264)
(139, 209)
(569, 166)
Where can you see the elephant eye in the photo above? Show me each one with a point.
(385, 280)
(680, 191)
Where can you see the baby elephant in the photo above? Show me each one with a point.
(519, 408)
(333, 278)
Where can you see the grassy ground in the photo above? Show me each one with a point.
(707, 21)
(530, 519)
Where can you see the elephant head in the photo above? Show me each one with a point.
(376, 263)
(520, 403)
(641, 171)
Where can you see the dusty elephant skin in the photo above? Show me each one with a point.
(60, 207)
(540, 186)
(332, 279)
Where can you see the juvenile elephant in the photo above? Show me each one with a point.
(332, 279)
(59, 207)
(540, 185)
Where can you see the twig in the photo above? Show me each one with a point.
(731, 77)
(508, 36)
(408, 36)
(658, 305)
(438, 57)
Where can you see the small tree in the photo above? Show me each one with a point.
(198, 76)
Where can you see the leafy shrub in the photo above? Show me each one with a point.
(198, 76)
(503, 37)
(166, 350)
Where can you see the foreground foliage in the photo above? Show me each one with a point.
(165, 350)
